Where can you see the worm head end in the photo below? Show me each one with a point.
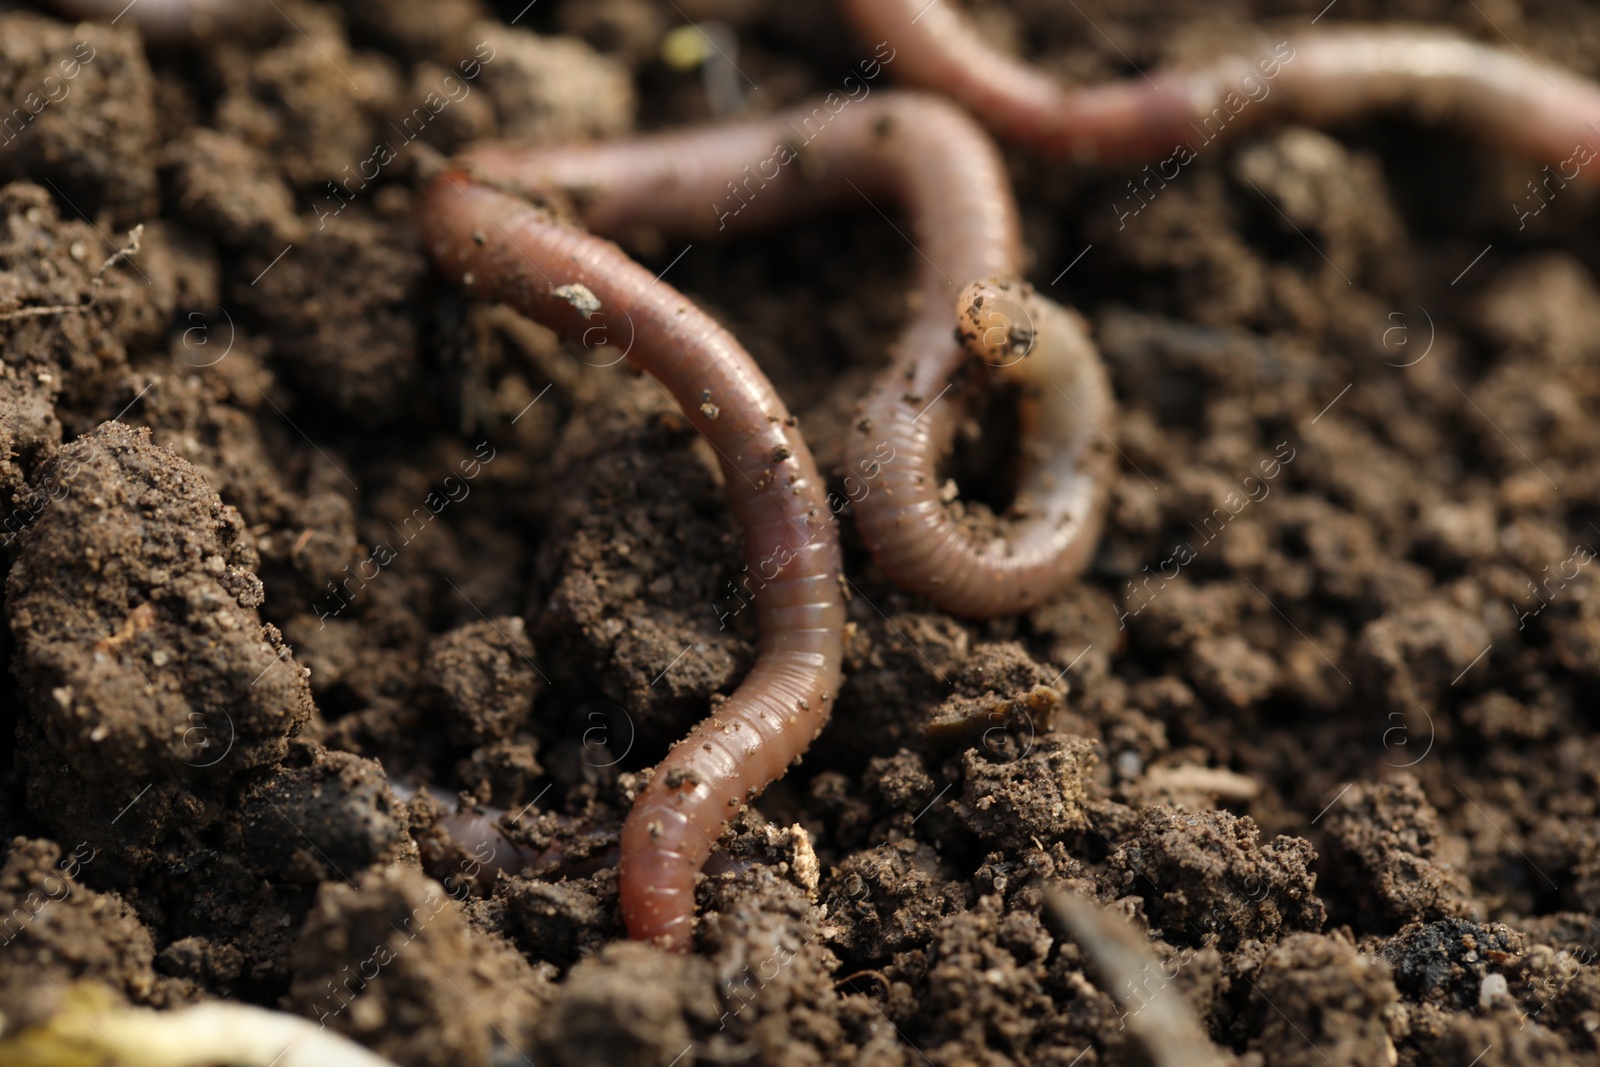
(995, 321)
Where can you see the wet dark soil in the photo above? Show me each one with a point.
(284, 518)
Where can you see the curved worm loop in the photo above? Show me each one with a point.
(502, 248)
(1321, 78)
(946, 173)
(1067, 412)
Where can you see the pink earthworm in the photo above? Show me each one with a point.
(1322, 78)
(947, 174)
(503, 248)
(169, 21)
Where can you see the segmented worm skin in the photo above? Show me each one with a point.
(1324, 77)
(500, 247)
(1065, 410)
(948, 176)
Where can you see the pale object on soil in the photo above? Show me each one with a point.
(1171, 1034)
(90, 1030)
(1494, 985)
(1203, 781)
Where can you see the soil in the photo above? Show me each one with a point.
(283, 517)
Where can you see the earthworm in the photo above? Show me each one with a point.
(503, 248)
(1323, 78)
(169, 21)
(948, 176)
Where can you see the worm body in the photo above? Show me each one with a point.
(1322, 78)
(502, 248)
(947, 175)
(1066, 411)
